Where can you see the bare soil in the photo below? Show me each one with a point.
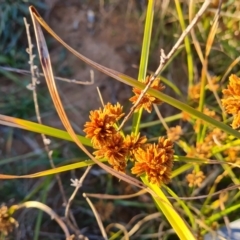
(113, 40)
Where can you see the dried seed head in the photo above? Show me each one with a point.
(7, 223)
(214, 85)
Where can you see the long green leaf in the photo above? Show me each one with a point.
(170, 213)
(182, 106)
(40, 128)
(144, 58)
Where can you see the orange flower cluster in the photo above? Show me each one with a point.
(186, 116)
(233, 154)
(147, 100)
(231, 100)
(156, 160)
(195, 178)
(133, 143)
(215, 137)
(194, 92)
(174, 133)
(101, 127)
(204, 149)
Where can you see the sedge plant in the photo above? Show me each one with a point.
(216, 138)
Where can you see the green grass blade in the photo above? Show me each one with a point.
(173, 217)
(184, 207)
(183, 107)
(220, 214)
(52, 171)
(157, 122)
(144, 58)
(181, 169)
(171, 85)
(40, 213)
(40, 128)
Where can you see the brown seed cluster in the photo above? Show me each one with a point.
(7, 223)
(231, 100)
(115, 151)
(133, 143)
(155, 160)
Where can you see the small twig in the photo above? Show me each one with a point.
(22, 71)
(164, 59)
(34, 81)
(121, 227)
(49, 211)
(99, 221)
(77, 184)
(161, 117)
(108, 196)
(100, 97)
(33, 70)
(237, 186)
(137, 226)
(222, 199)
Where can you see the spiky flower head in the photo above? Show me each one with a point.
(133, 143)
(156, 160)
(101, 125)
(147, 100)
(231, 100)
(115, 152)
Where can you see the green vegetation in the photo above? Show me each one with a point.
(198, 113)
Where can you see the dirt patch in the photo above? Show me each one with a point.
(113, 40)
